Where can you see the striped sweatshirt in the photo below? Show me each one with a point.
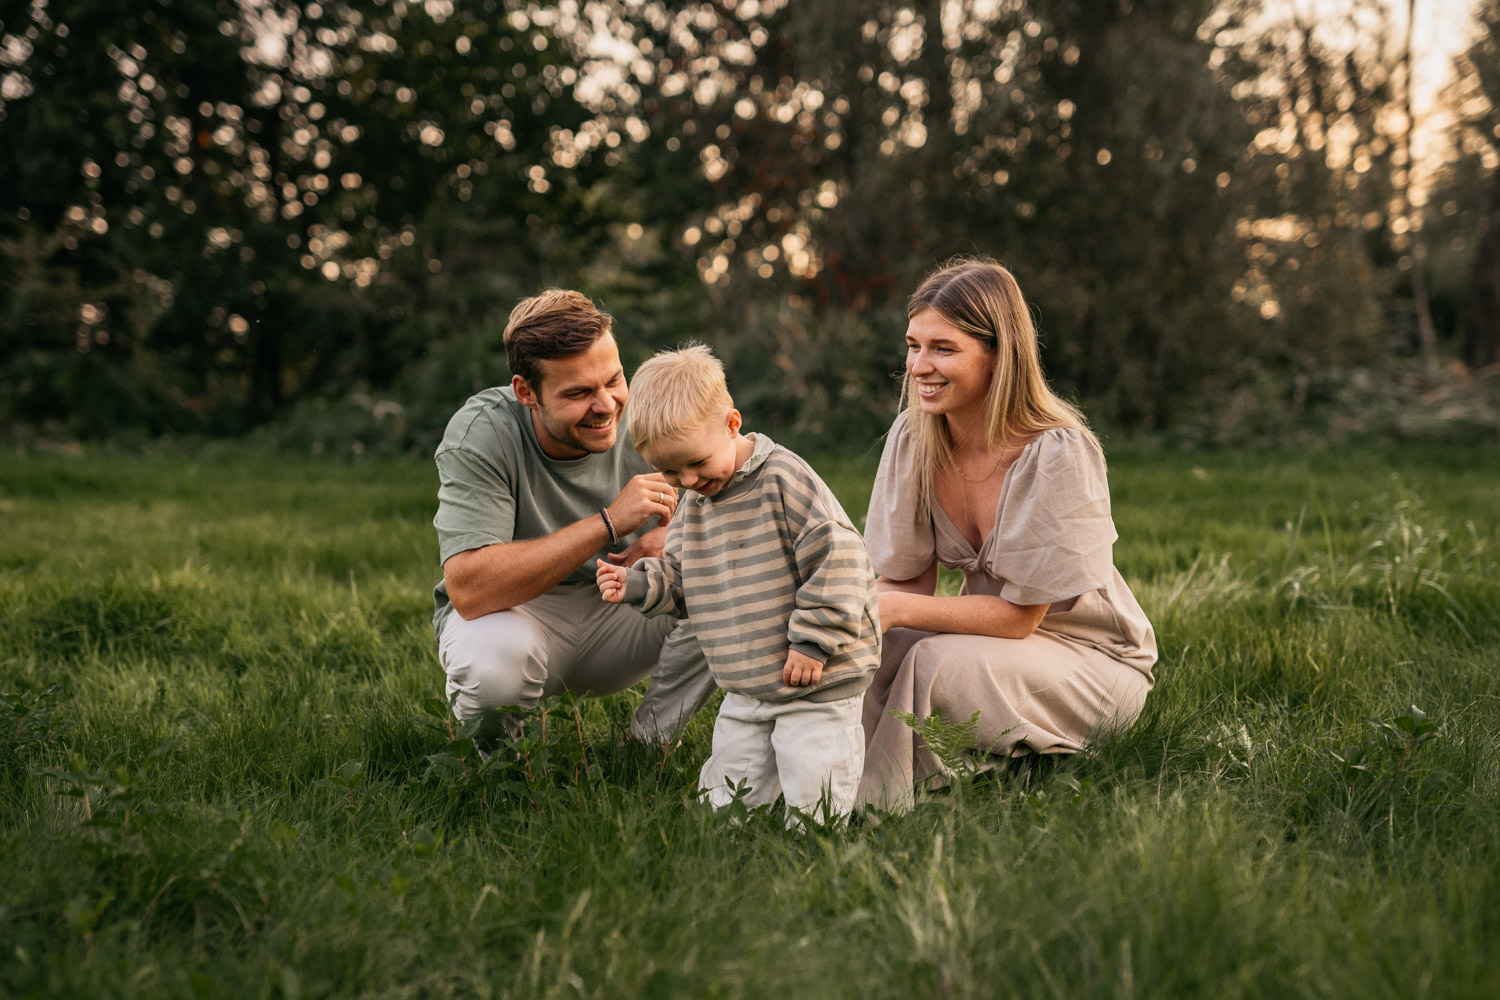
(769, 564)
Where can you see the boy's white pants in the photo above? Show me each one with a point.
(800, 749)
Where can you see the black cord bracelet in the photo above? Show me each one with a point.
(609, 526)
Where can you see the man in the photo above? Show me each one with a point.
(536, 481)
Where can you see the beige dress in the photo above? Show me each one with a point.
(1085, 669)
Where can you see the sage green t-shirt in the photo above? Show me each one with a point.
(495, 484)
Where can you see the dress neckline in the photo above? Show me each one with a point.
(950, 529)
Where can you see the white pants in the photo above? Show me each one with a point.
(568, 639)
(804, 750)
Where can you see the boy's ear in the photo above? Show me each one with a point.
(525, 395)
(735, 421)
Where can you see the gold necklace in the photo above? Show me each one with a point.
(959, 469)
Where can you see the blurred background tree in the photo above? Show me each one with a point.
(1466, 204)
(312, 218)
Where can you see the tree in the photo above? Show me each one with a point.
(255, 199)
(833, 152)
(1469, 191)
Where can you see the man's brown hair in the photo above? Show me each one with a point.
(558, 323)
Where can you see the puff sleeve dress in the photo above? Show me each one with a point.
(1086, 668)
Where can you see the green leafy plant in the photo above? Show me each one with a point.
(114, 799)
(956, 745)
(540, 749)
(952, 743)
(1374, 775)
(29, 728)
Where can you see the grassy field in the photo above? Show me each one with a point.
(222, 772)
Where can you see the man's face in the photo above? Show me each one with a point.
(577, 408)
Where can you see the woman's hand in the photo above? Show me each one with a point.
(894, 605)
(896, 597)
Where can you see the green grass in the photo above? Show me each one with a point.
(231, 659)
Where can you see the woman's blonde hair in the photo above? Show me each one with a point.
(673, 392)
(981, 298)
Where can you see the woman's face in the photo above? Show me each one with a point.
(950, 370)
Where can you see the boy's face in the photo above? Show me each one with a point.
(577, 408)
(704, 458)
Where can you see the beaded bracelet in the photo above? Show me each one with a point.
(609, 526)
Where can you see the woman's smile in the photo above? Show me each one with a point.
(950, 370)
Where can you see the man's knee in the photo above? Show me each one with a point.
(493, 661)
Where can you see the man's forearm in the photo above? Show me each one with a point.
(497, 577)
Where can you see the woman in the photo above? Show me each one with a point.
(988, 472)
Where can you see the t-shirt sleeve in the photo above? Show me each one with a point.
(898, 535)
(476, 502)
(1055, 534)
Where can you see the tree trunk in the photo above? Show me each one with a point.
(1426, 334)
(1482, 346)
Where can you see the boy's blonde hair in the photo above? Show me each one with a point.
(673, 392)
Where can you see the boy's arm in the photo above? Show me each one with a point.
(835, 590)
(654, 587)
(499, 576)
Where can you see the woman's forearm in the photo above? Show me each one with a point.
(970, 614)
(923, 583)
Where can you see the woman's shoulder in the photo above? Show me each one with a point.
(1061, 446)
(1060, 462)
(901, 426)
(898, 443)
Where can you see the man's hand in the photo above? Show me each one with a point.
(800, 669)
(645, 496)
(611, 581)
(648, 546)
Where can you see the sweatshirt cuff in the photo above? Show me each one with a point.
(636, 586)
(811, 649)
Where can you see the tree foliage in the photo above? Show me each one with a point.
(217, 213)
(227, 206)
(1465, 210)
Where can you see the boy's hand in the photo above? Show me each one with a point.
(611, 580)
(800, 669)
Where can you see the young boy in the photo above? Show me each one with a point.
(763, 560)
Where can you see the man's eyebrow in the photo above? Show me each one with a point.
(568, 387)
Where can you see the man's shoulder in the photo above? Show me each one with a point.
(487, 420)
